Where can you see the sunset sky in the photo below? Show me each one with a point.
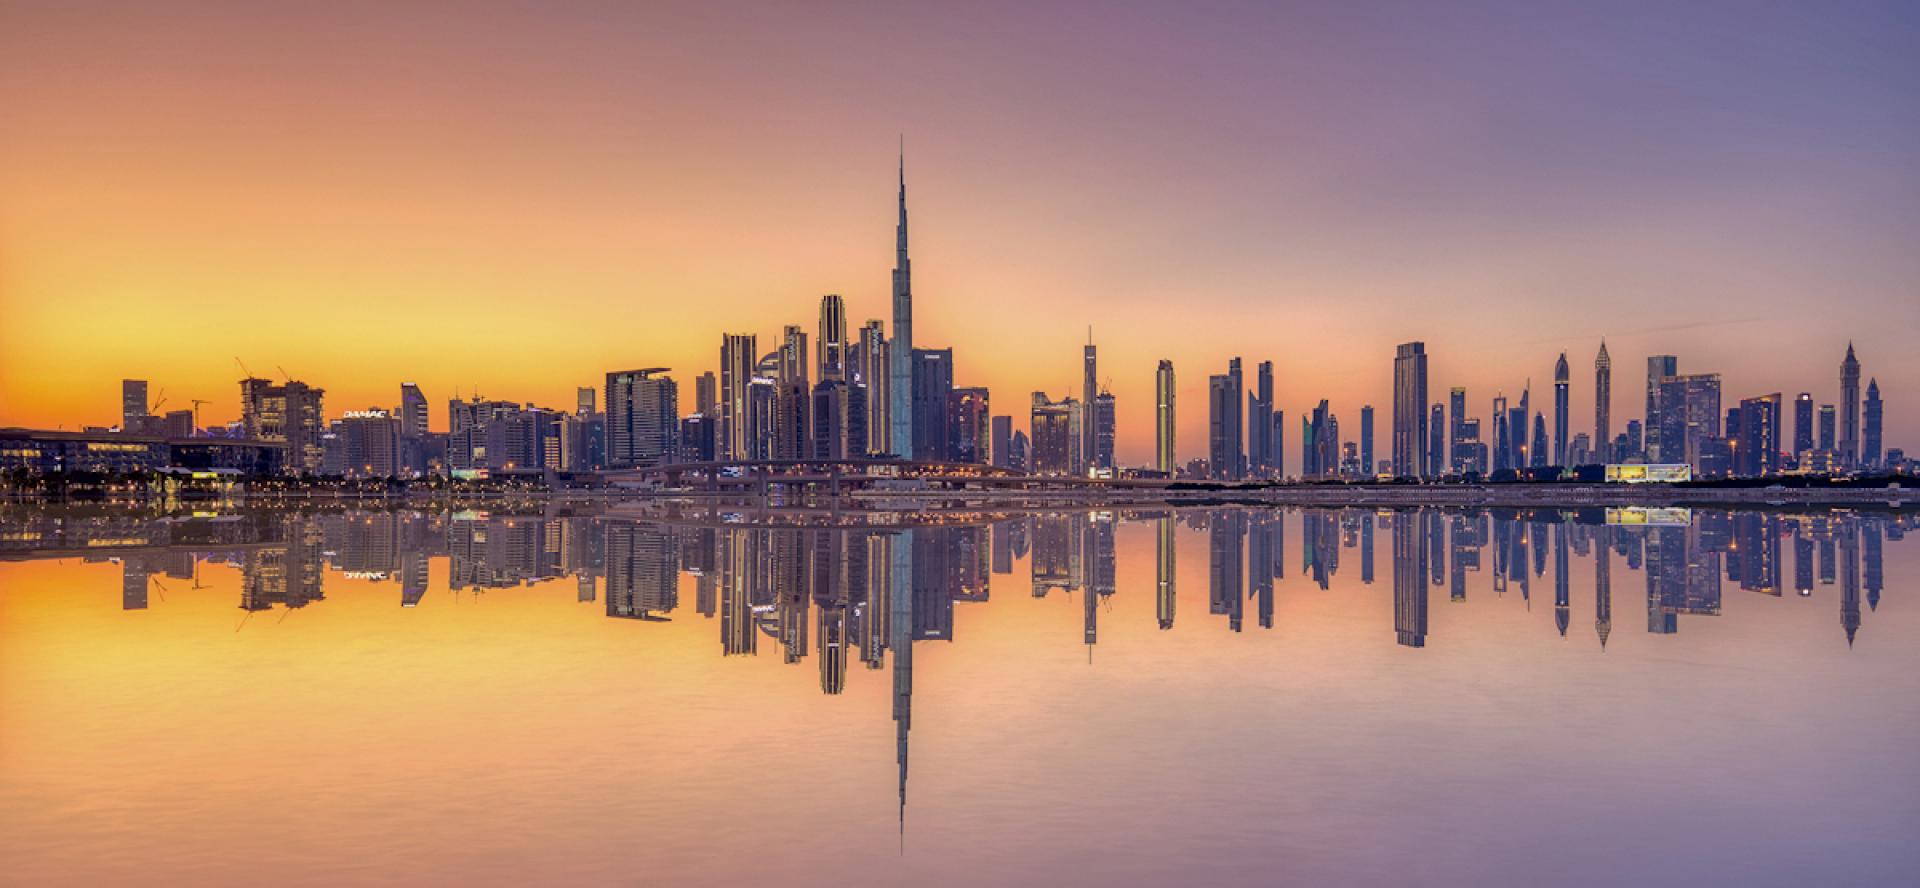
(515, 199)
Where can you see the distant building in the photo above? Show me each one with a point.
(1849, 410)
(1561, 382)
(737, 434)
(1660, 368)
(1802, 423)
(1163, 419)
(832, 340)
(1000, 449)
(932, 390)
(1756, 443)
(1410, 410)
(1870, 438)
(370, 440)
(969, 432)
(643, 418)
(1603, 402)
(1052, 441)
(133, 405)
(288, 414)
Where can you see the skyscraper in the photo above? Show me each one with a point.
(289, 414)
(832, 339)
(643, 418)
(1000, 450)
(706, 395)
(1164, 459)
(1437, 441)
(1260, 430)
(1849, 410)
(1237, 423)
(1089, 390)
(1367, 466)
(968, 429)
(1870, 442)
(738, 433)
(1802, 423)
(133, 404)
(1561, 379)
(932, 389)
(1659, 369)
(1410, 410)
(1603, 404)
(1826, 427)
(413, 411)
(1051, 451)
(1457, 429)
(1221, 399)
(874, 367)
(900, 423)
(1104, 430)
(1756, 449)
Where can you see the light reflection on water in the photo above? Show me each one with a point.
(1132, 696)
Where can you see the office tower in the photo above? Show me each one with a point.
(289, 414)
(1826, 427)
(1660, 368)
(1220, 402)
(1089, 390)
(793, 363)
(1561, 377)
(1437, 441)
(133, 405)
(1163, 419)
(1320, 435)
(643, 418)
(1502, 435)
(1870, 440)
(413, 411)
(1017, 454)
(792, 418)
(874, 366)
(1756, 450)
(1457, 429)
(1410, 410)
(1260, 429)
(697, 442)
(932, 389)
(1000, 449)
(900, 431)
(1365, 455)
(706, 395)
(1518, 421)
(1103, 432)
(967, 425)
(370, 444)
(179, 424)
(1603, 405)
(1632, 441)
(832, 338)
(737, 433)
(828, 417)
(1849, 410)
(1802, 423)
(1279, 441)
(1052, 451)
(1237, 423)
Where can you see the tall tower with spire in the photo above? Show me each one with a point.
(1850, 409)
(1603, 404)
(900, 371)
(1562, 377)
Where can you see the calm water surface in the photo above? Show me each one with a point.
(1138, 697)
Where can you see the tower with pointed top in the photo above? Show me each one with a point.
(1850, 409)
(900, 371)
(1561, 378)
(1603, 404)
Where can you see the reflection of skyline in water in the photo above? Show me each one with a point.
(846, 595)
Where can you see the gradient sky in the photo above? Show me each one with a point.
(519, 200)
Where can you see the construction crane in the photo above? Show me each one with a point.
(244, 372)
(196, 414)
(162, 399)
(283, 373)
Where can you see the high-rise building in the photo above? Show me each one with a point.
(1260, 431)
(1051, 451)
(370, 440)
(1539, 453)
(1437, 441)
(1163, 419)
(1826, 427)
(1561, 380)
(1660, 368)
(873, 365)
(1000, 450)
(1603, 404)
(792, 417)
(413, 411)
(1221, 400)
(1457, 429)
(832, 338)
(1689, 411)
(1410, 410)
(133, 405)
(932, 390)
(643, 418)
(900, 419)
(1756, 443)
(1849, 410)
(1502, 435)
(1802, 423)
(829, 419)
(968, 427)
(706, 395)
(1237, 422)
(584, 400)
(1089, 390)
(737, 433)
(1365, 450)
(289, 414)
(1870, 440)
(1103, 432)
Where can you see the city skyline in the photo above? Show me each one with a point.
(378, 261)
